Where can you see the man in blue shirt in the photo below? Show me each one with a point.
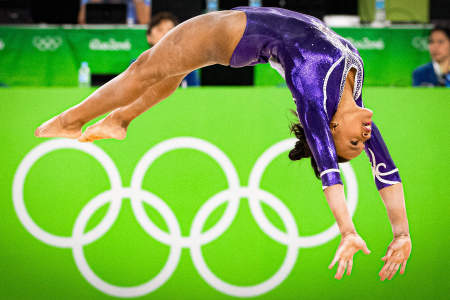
(437, 72)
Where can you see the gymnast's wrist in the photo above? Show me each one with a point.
(401, 235)
(400, 229)
(347, 229)
(347, 233)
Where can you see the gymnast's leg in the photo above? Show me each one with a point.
(115, 125)
(201, 41)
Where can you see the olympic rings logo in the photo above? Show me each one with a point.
(197, 238)
(420, 43)
(47, 43)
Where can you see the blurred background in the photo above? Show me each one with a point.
(63, 236)
(54, 38)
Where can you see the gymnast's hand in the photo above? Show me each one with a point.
(350, 244)
(397, 254)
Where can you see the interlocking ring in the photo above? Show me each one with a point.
(47, 43)
(197, 238)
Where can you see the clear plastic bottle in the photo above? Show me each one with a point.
(380, 14)
(84, 75)
(254, 3)
(212, 5)
(380, 11)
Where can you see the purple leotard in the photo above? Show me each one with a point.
(314, 61)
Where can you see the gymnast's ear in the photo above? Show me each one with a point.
(333, 126)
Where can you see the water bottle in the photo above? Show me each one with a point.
(380, 11)
(380, 14)
(130, 9)
(212, 5)
(84, 75)
(254, 3)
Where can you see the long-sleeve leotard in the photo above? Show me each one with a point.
(314, 61)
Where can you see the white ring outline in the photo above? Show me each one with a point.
(186, 143)
(92, 278)
(19, 181)
(196, 238)
(263, 287)
(256, 209)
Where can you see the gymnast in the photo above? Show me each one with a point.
(324, 73)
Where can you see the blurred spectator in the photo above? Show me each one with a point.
(437, 72)
(160, 24)
(138, 11)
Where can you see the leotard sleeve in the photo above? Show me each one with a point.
(384, 171)
(308, 96)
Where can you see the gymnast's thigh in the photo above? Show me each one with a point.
(201, 41)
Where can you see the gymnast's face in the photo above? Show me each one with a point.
(350, 130)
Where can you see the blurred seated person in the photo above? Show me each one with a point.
(159, 25)
(437, 72)
(138, 11)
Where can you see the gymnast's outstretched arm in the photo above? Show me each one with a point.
(388, 182)
(399, 249)
(313, 119)
(351, 242)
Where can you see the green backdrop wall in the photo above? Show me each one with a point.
(52, 55)
(64, 236)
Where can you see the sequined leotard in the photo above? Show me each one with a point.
(314, 61)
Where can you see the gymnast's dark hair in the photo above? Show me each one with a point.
(302, 150)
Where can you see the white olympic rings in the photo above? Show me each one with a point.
(174, 239)
(47, 43)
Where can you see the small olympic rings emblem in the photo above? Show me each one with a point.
(420, 43)
(47, 43)
(197, 237)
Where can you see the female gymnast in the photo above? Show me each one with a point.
(324, 73)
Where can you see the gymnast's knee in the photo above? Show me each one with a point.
(145, 70)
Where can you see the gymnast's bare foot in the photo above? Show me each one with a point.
(110, 127)
(57, 127)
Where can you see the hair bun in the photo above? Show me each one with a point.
(301, 149)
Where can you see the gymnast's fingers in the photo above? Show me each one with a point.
(341, 269)
(402, 270)
(394, 270)
(350, 266)
(333, 262)
(383, 272)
